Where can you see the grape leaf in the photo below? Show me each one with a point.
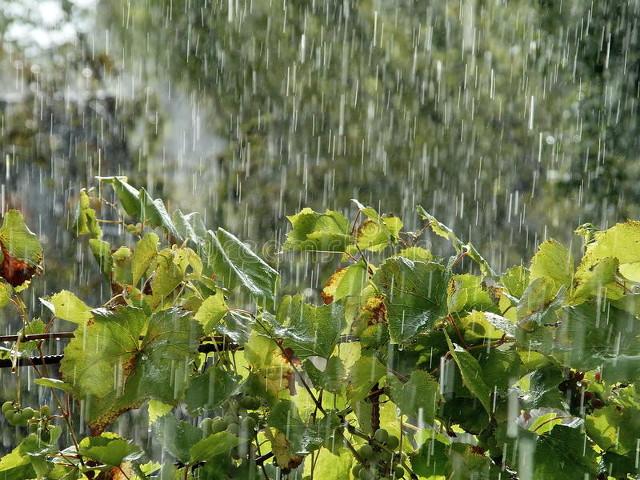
(363, 375)
(443, 231)
(309, 330)
(419, 397)
(21, 250)
(622, 241)
(303, 438)
(139, 205)
(109, 449)
(466, 292)
(210, 389)
(552, 261)
(471, 373)
(211, 311)
(313, 231)
(145, 251)
(377, 232)
(563, 454)
(102, 253)
(216, 444)
(415, 296)
(86, 222)
(110, 362)
(615, 428)
(515, 280)
(345, 282)
(66, 306)
(233, 263)
(16, 465)
(177, 437)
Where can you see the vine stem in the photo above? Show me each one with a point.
(304, 383)
(65, 414)
(306, 386)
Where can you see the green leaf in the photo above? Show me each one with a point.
(158, 409)
(21, 250)
(109, 449)
(332, 378)
(472, 375)
(145, 251)
(554, 262)
(615, 428)
(591, 334)
(431, 459)
(155, 214)
(219, 443)
(466, 292)
(416, 254)
(363, 375)
(303, 438)
(485, 326)
(539, 303)
(622, 241)
(415, 296)
(443, 231)
(210, 389)
(6, 291)
(329, 465)
(16, 466)
(110, 362)
(500, 368)
(417, 398)
(177, 437)
(595, 280)
(54, 383)
(86, 222)
(211, 311)
(376, 232)
(313, 231)
(102, 253)
(128, 196)
(139, 205)
(66, 306)
(618, 466)
(309, 330)
(190, 227)
(345, 282)
(515, 280)
(563, 454)
(233, 263)
(121, 266)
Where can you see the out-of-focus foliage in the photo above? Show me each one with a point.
(505, 118)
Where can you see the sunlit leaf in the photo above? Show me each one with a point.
(313, 231)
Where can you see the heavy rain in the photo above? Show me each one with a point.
(320, 239)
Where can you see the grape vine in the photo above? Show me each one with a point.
(409, 366)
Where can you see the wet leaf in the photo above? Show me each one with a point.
(415, 296)
(313, 231)
(67, 306)
(233, 264)
(21, 250)
(109, 449)
(309, 330)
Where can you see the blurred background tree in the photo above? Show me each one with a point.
(508, 120)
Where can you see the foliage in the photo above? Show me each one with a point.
(414, 367)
